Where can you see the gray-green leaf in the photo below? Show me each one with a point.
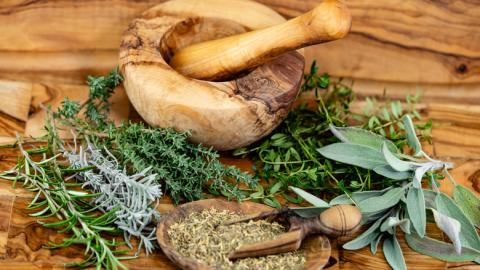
(469, 203)
(309, 197)
(374, 244)
(393, 253)
(394, 162)
(391, 222)
(412, 138)
(387, 200)
(363, 137)
(353, 154)
(440, 250)
(389, 172)
(357, 196)
(365, 238)
(416, 210)
(450, 227)
(468, 234)
(308, 212)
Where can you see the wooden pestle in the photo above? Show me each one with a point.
(339, 220)
(221, 59)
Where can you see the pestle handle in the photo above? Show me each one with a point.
(224, 58)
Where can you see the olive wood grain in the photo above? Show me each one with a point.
(225, 115)
(222, 59)
(317, 248)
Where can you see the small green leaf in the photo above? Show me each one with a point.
(393, 253)
(272, 202)
(391, 222)
(374, 244)
(292, 199)
(276, 187)
(308, 212)
(468, 202)
(394, 162)
(387, 200)
(416, 210)
(468, 234)
(412, 138)
(450, 227)
(258, 193)
(353, 154)
(315, 201)
(440, 250)
(363, 137)
(389, 172)
(357, 196)
(365, 238)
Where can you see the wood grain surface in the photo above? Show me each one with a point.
(400, 41)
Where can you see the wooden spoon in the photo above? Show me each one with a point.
(339, 220)
(225, 58)
(317, 248)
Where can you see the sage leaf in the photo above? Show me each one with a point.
(365, 238)
(468, 234)
(353, 154)
(394, 162)
(389, 172)
(419, 173)
(309, 197)
(357, 196)
(391, 222)
(387, 200)
(440, 250)
(416, 210)
(374, 244)
(360, 136)
(468, 202)
(393, 253)
(412, 138)
(450, 227)
(308, 212)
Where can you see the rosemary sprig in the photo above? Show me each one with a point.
(134, 196)
(77, 216)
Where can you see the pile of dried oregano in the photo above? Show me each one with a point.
(201, 236)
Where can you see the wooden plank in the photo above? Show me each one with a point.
(456, 130)
(6, 204)
(59, 67)
(408, 41)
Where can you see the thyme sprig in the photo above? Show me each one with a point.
(55, 196)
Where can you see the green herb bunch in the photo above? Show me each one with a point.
(133, 196)
(288, 157)
(59, 196)
(408, 203)
(185, 168)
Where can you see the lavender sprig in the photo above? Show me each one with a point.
(134, 196)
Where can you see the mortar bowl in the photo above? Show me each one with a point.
(225, 115)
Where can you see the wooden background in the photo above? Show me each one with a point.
(48, 47)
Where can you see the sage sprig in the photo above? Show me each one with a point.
(404, 205)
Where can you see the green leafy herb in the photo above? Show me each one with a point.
(405, 203)
(289, 155)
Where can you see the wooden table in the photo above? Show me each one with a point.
(48, 47)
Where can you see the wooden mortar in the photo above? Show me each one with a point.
(227, 114)
(317, 247)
